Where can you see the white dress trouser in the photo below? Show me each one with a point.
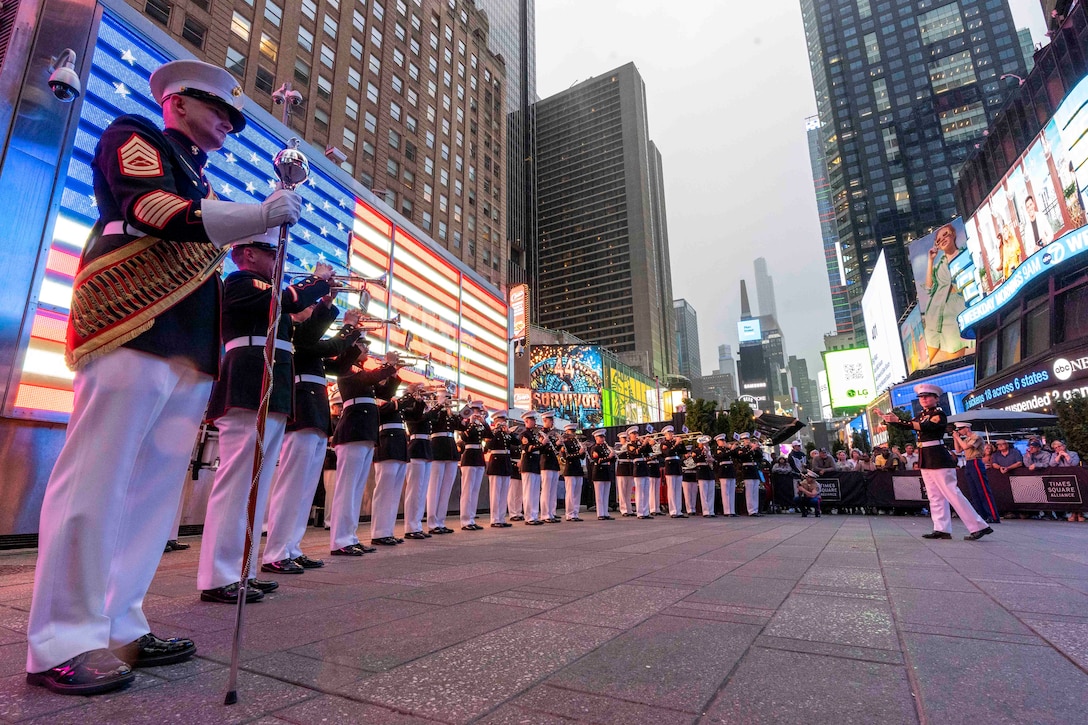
(706, 496)
(439, 488)
(624, 487)
(388, 487)
(352, 469)
(415, 494)
(600, 494)
(655, 494)
(729, 495)
(471, 478)
(942, 490)
(292, 494)
(573, 500)
(642, 496)
(751, 494)
(111, 501)
(549, 493)
(223, 542)
(691, 490)
(513, 498)
(530, 495)
(675, 489)
(499, 490)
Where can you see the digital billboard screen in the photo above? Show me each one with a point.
(749, 331)
(881, 327)
(934, 259)
(849, 378)
(567, 380)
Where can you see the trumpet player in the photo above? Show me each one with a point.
(549, 469)
(653, 462)
(726, 471)
(748, 457)
(499, 468)
(354, 440)
(417, 417)
(473, 435)
(640, 450)
(625, 479)
(704, 472)
(690, 482)
(672, 452)
(390, 465)
(573, 451)
(444, 460)
(307, 437)
(531, 445)
(514, 504)
(603, 457)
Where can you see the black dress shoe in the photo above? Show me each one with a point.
(384, 541)
(975, 536)
(283, 566)
(415, 535)
(756, 516)
(85, 674)
(517, 518)
(626, 515)
(534, 523)
(229, 595)
(675, 516)
(350, 550)
(307, 563)
(365, 549)
(152, 651)
(574, 518)
(175, 545)
(425, 534)
(263, 585)
(645, 517)
(937, 535)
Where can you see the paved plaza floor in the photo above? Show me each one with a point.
(842, 619)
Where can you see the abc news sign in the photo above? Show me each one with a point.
(1037, 386)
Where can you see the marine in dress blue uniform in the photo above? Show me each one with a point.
(444, 461)
(726, 472)
(549, 469)
(473, 434)
(532, 441)
(390, 465)
(143, 339)
(572, 451)
(499, 468)
(673, 451)
(704, 472)
(417, 416)
(603, 457)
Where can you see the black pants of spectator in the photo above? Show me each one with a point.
(803, 504)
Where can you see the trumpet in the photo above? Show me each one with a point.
(345, 282)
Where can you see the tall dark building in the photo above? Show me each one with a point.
(603, 247)
(807, 393)
(765, 289)
(904, 91)
(687, 340)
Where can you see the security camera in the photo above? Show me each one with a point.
(285, 94)
(334, 154)
(64, 81)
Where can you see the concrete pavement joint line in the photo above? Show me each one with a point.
(567, 688)
(1002, 637)
(838, 656)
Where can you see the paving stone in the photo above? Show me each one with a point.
(331, 710)
(838, 620)
(1069, 637)
(466, 589)
(957, 610)
(841, 577)
(927, 578)
(744, 591)
(771, 567)
(828, 649)
(694, 571)
(305, 671)
(546, 705)
(666, 661)
(621, 606)
(771, 686)
(1040, 597)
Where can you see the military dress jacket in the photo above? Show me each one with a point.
(359, 420)
(932, 427)
(311, 351)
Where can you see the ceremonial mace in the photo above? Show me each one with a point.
(292, 168)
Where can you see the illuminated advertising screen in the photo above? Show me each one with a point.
(627, 396)
(878, 429)
(567, 380)
(519, 309)
(454, 324)
(824, 393)
(882, 328)
(933, 258)
(849, 378)
(749, 331)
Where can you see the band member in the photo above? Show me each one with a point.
(531, 444)
(704, 472)
(573, 451)
(603, 457)
(639, 451)
(969, 444)
(515, 492)
(653, 462)
(497, 454)
(549, 469)
(726, 471)
(444, 461)
(390, 465)
(938, 467)
(354, 440)
(145, 352)
(304, 443)
(473, 434)
(417, 417)
(747, 458)
(673, 451)
(625, 476)
(233, 409)
(690, 482)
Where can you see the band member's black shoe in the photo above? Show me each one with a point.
(283, 566)
(415, 535)
(978, 534)
(263, 585)
(364, 549)
(517, 518)
(626, 515)
(229, 595)
(574, 518)
(89, 673)
(937, 535)
(605, 518)
(534, 523)
(307, 563)
(645, 517)
(384, 541)
(425, 534)
(758, 516)
(174, 545)
(152, 651)
(350, 550)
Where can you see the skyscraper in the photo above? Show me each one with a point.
(603, 248)
(726, 363)
(408, 91)
(807, 394)
(765, 289)
(687, 340)
(904, 90)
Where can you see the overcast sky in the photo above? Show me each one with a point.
(728, 88)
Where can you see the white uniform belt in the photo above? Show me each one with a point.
(500, 450)
(473, 445)
(119, 227)
(257, 341)
(638, 460)
(421, 436)
(672, 458)
(391, 426)
(356, 401)
(442, 434)
(930, 444)
(315, 379)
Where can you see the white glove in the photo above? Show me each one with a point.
(227, 222)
